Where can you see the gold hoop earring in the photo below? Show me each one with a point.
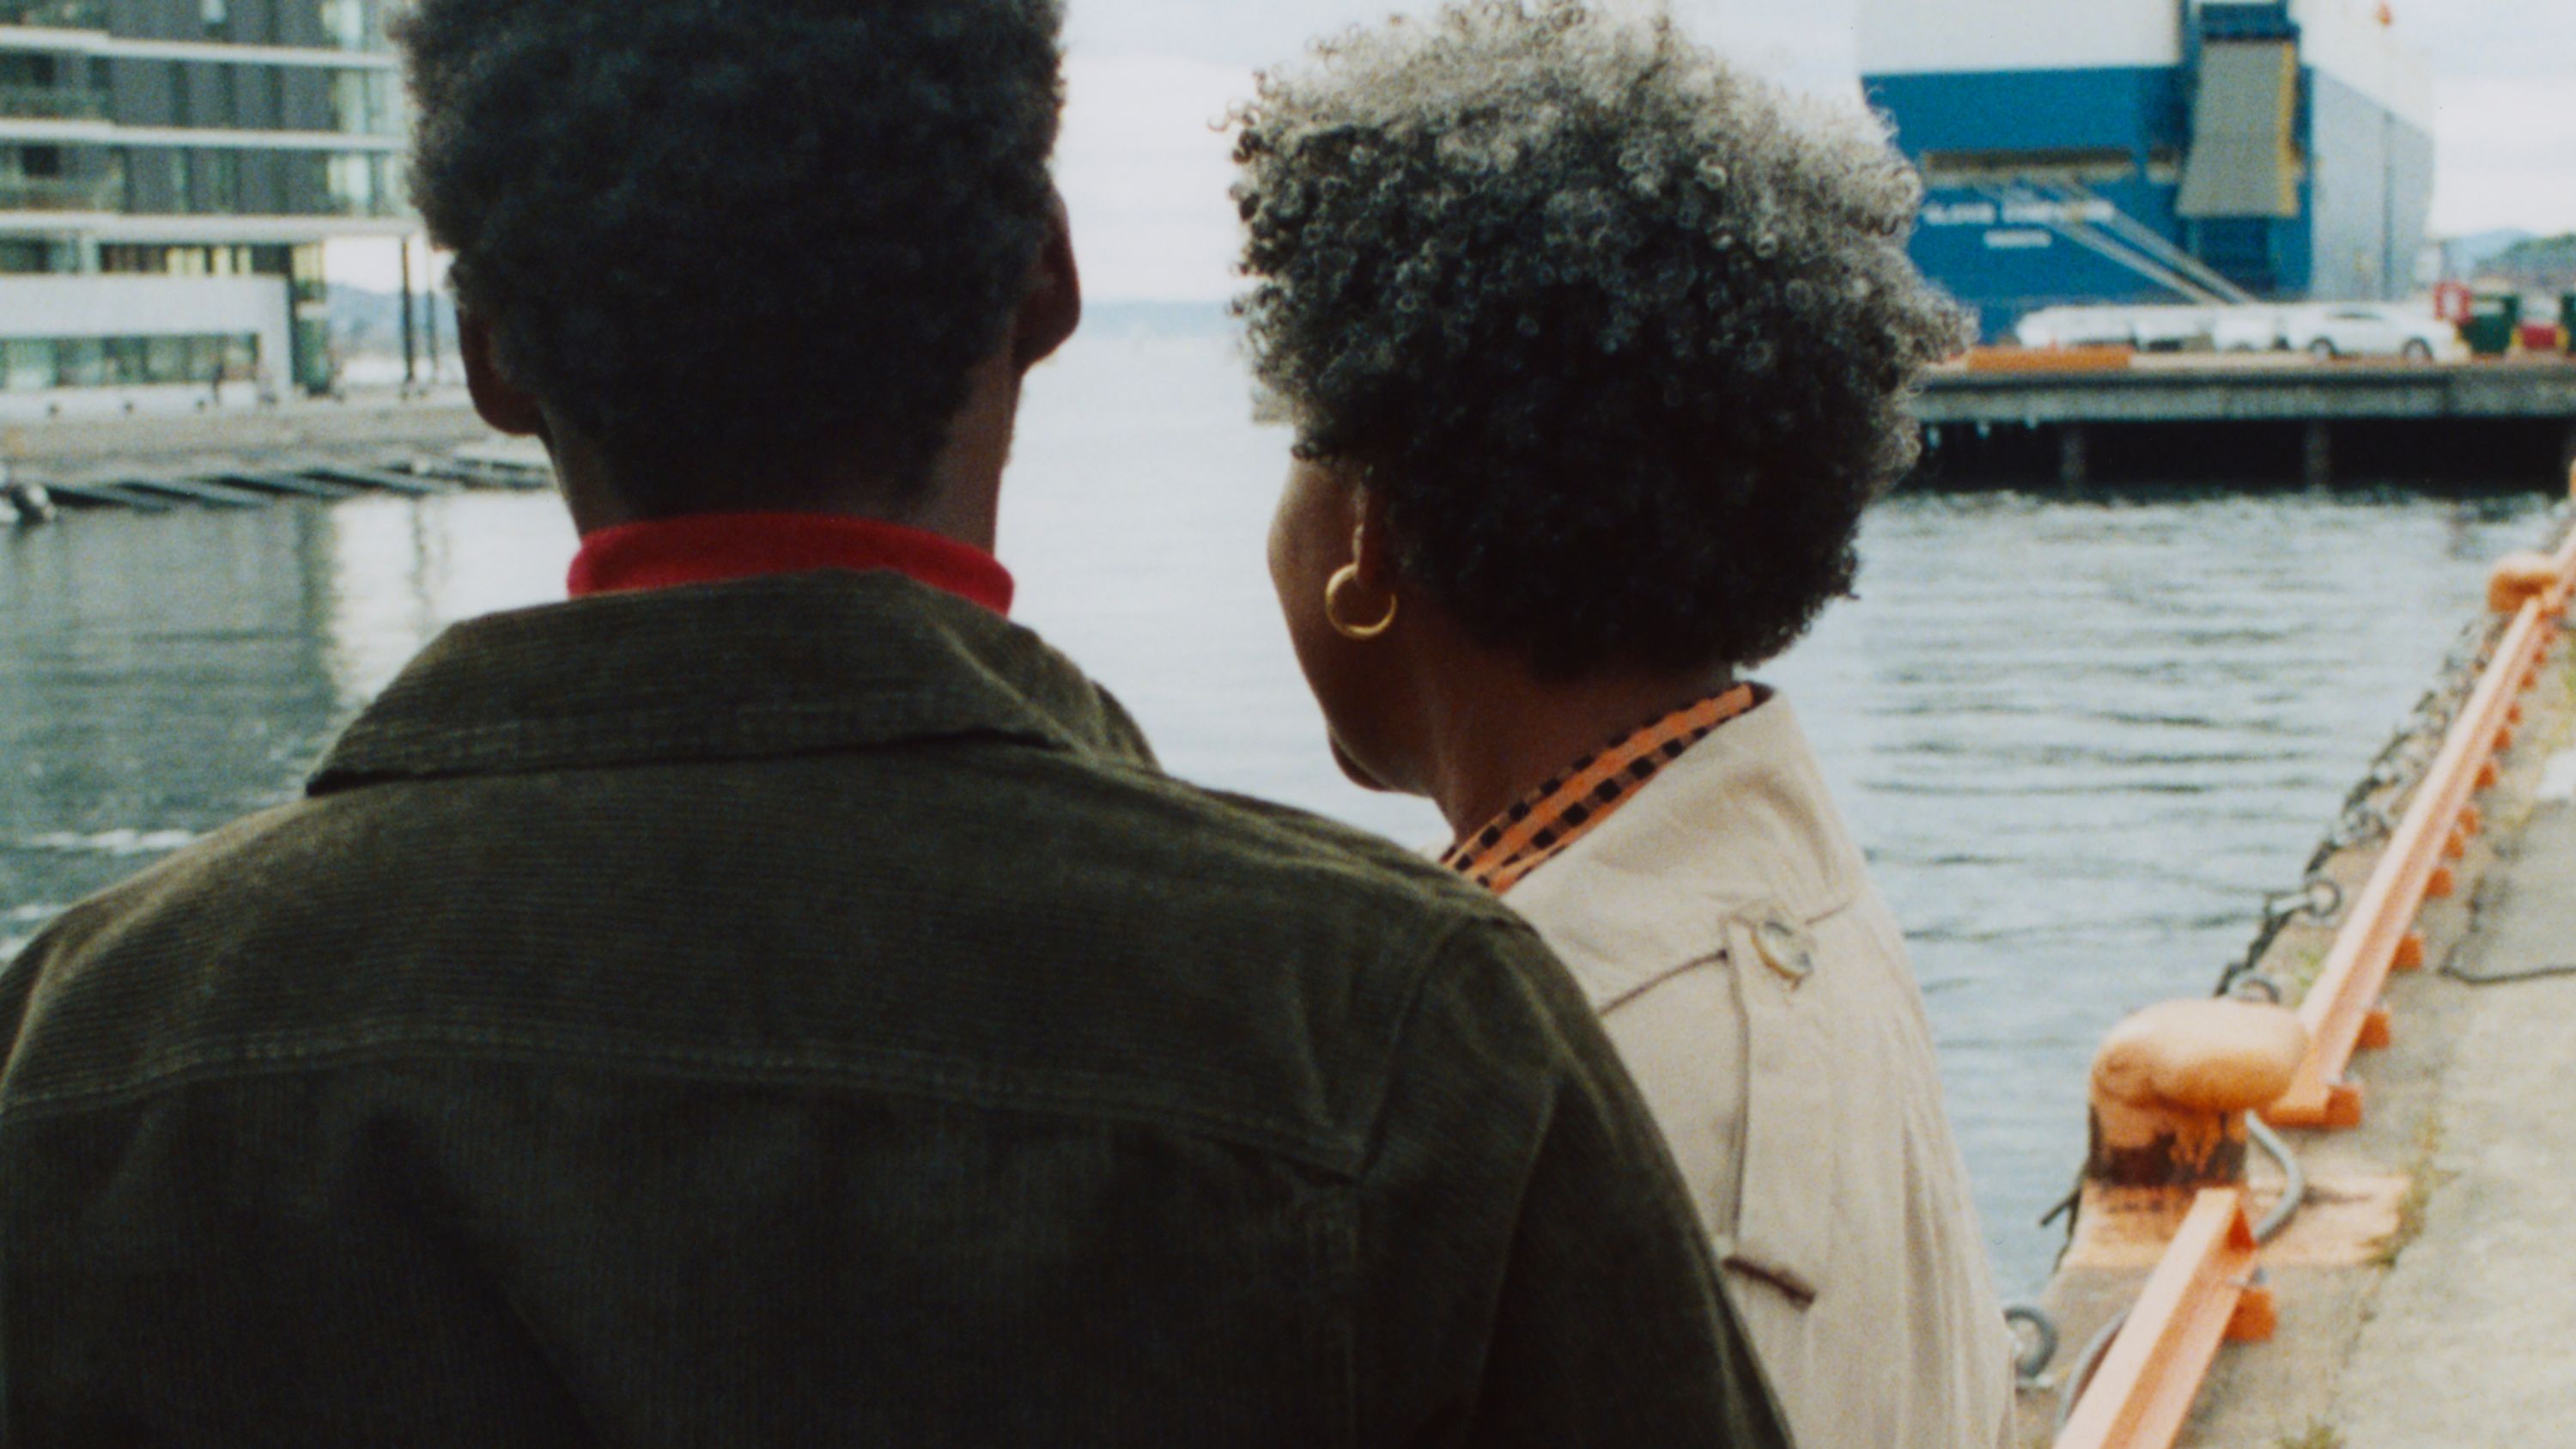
(1350, 574)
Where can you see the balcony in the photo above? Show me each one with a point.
(52, 103)
(55, 193)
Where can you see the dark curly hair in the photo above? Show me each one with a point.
(733, 239)
(1621, 335)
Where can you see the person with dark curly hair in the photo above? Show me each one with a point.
(1596, 348)
(770, 998)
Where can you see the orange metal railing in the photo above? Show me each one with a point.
(2201, 1294)
(2341, 1010)
(2204, 1289)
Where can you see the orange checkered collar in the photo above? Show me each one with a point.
(1538, 827)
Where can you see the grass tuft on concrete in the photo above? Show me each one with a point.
(2423, 1179)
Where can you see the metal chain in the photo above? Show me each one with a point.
(2364, 819)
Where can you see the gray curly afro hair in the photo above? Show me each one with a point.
(733, 240)
(1621, 335)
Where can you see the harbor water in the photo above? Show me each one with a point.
(2080, 737)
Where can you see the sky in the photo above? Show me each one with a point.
(1144, 166)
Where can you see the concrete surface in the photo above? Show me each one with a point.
(2472, 1338)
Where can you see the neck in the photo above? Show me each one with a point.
(1497, 735)
(962, 501)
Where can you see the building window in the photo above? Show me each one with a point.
(34, 364)
(36, 87)
(132, 259)
(81, 362)
(215, 183)
(360, 185)
(362, 103)
(345, 21)
(37, 178)
(353, 185)
(165, 359)
(27, 364)
(22, 257)
(220, 181)
(55, 14)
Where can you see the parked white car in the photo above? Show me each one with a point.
(2249, 329)
(2357, 329)
(2173, 329)
(2077, 327)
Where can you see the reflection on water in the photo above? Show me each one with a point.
(162, 675)
(2078, 739)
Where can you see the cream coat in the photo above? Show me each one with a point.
(1724, 926)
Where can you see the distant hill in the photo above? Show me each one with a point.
(2468, 254)
(2548, 263)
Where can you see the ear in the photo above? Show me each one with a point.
(1053, 307)
(503, 404)
(1373, 546)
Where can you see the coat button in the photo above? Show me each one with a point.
(1785, 947)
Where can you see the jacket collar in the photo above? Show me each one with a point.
(780, 665)
(1740, 824)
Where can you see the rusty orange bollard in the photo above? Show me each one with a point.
(2163, 1190)
(2172, 1085)
(2519, 578)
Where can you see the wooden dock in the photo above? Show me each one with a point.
(2252, 420)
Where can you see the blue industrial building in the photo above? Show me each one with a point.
(2157, 151)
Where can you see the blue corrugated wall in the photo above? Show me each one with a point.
(2125, 109)
(2362, 206)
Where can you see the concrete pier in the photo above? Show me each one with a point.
(2249, 420)
(2426, 1290)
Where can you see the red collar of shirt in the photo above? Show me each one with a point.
(709, 548)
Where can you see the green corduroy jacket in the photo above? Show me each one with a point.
(796, 1011)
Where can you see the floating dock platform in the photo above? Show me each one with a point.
(306, 452)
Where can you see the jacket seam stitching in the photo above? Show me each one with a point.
(1629, 994)
(1435, 956)
(278, 1059)
(402, 747)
